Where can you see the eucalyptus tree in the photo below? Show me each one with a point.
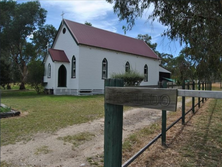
(193, 22)
(166, 59)
(5, 78)
(147, 39)
(182, 69)
(18, 23)
(43, 39)
(21, 21)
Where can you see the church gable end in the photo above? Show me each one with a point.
(82, 56)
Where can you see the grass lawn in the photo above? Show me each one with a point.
(203, 146)
(45, 113)
(198, 143)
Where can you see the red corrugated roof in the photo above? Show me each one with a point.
(96, 37)
(58, 55)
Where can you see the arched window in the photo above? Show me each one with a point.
(62, 76)
(104, 68)
(145, 73)
(73, 70)
(49, 70)
(127, 67)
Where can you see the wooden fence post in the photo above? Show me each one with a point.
(199, 97)
(202, 89)
(164, 118)
(113, 130)
(183, 105)
(193, 99)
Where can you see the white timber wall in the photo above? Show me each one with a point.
(90, 67)
(67, 43)
(50, 80)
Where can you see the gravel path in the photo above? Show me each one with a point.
(60, 154)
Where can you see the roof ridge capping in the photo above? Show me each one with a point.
(93, 36)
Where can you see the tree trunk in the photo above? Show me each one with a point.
(22, 86)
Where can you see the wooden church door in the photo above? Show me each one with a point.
(62, 76)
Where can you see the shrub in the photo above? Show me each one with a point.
(131, 78)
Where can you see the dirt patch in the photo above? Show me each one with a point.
(216, 85)
(56, 153)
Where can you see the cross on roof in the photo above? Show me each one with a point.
(62, 14)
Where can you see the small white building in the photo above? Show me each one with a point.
(83, 56)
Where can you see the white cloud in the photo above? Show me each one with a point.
(100, 14)
(109, 25)
(84, 10)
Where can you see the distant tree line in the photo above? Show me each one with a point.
(24, 37)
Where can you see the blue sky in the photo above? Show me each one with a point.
(100, 14)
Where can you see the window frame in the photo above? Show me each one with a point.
(73, 67)
(104, 69)
(146, 72)
(49, 71)
(127, 67)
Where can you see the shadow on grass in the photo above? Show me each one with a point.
(209, 153)
(204, 146)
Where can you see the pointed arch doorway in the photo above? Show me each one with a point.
(62, 73)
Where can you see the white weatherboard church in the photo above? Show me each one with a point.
(82, 57)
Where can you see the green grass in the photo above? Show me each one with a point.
(136, 137)
(46, 113)
(2, 109)
(204, 147)
(5, 164)
(16, 86)
(42, 150)
(96, 161)
(77, 139)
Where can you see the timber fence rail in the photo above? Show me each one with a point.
(114, 113)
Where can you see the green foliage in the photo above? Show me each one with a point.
(88, 23)
(167, 61)
(19, 22)
(131, 78)
(147, 39)
(4, 73)
(42, 38)
(195, 23)
(5, 109)
(35, 75)
(183, 69)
